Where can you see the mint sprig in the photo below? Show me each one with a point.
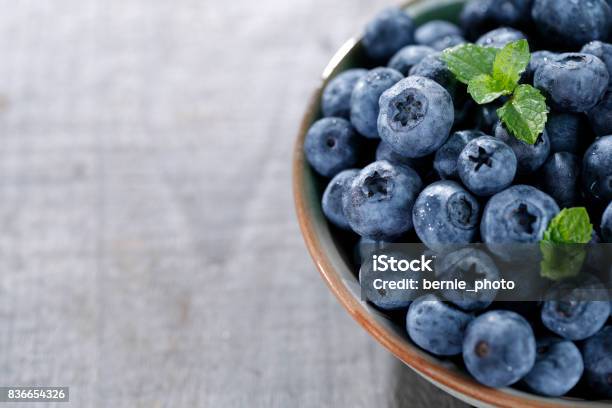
(490, 73)
(562, 245)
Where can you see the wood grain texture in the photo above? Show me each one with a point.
(149, 251)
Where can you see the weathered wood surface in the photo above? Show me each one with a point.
(149, 251)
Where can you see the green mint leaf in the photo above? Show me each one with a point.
(510, 63)
(485, 89)
(525, 114)
(561, 261)
(562, 246)
(467, 61)
(570, 226)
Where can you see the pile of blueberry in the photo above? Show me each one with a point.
(409, 157)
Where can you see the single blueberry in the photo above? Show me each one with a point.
(331, 146)
(336, 99)
(445, 161)
(364, 101)
(471, 266)
(480, 16)
(597, 169)
(571, 313)
(487, 116)
(500, 37)
(566, 132)
(530, 157)
(385, 298)
(445, 214)
(538, 58)
(486, 166)
(387, 33)
(366, 247)
(332, 198)
(598, 362)
(499, 348)
(573, 82)
(434, 30)
(379, 202)
(572, 23)
(601, 115)
(408, 57)
(416, 116)
(558, 367)
(385, 152)
(434, 68)
(519, 214)
(448, 42)
(601, 50)
(436, 326)
(560, 178)
(606, 224)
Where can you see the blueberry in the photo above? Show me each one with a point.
(499, 348)
(487, 115)
(601, 50)
(379, 202)
(597, 169)
(331, 146)
(572, 22)
(519, 214)
(416, 116)
(573, 82)
(606, 224)
(598, 362)
(486, 166)
(436, 326)
(538, 58)
(364, 101)
(560, 175)
(479, 16)
(469, 265)
(387, 33)
(408, 57)
(566, 131)
(434, 68)
(336, 99)
(571, 313)
(601, 115)
(530, 157)
(557, 369)
(499, 37)
(445, 214)
(332, 198)
(445, 161)
(435, 30)
(384, 152)
(366, 247)
(448, 42)
(386, 299)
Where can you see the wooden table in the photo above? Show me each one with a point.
(149, 251)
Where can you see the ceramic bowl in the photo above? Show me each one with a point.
(333, 258)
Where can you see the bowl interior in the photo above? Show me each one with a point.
(332, 251)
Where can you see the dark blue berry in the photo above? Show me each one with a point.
(408, 57)
(597, 169)
(606, 224)
(598, 362)
(332, 198)
(560, 178)
(416, 116)
(378, 205)
(530, 157)
(557, 369)
(436, 326)
(331, 146)
(500, 37)
(445, 214)
(435, 30)
(566, 132)
(336, 99)
(499, 348)
(486, 166)
(573, 82)
(445, 161)
(601, 115)
(387, 33)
